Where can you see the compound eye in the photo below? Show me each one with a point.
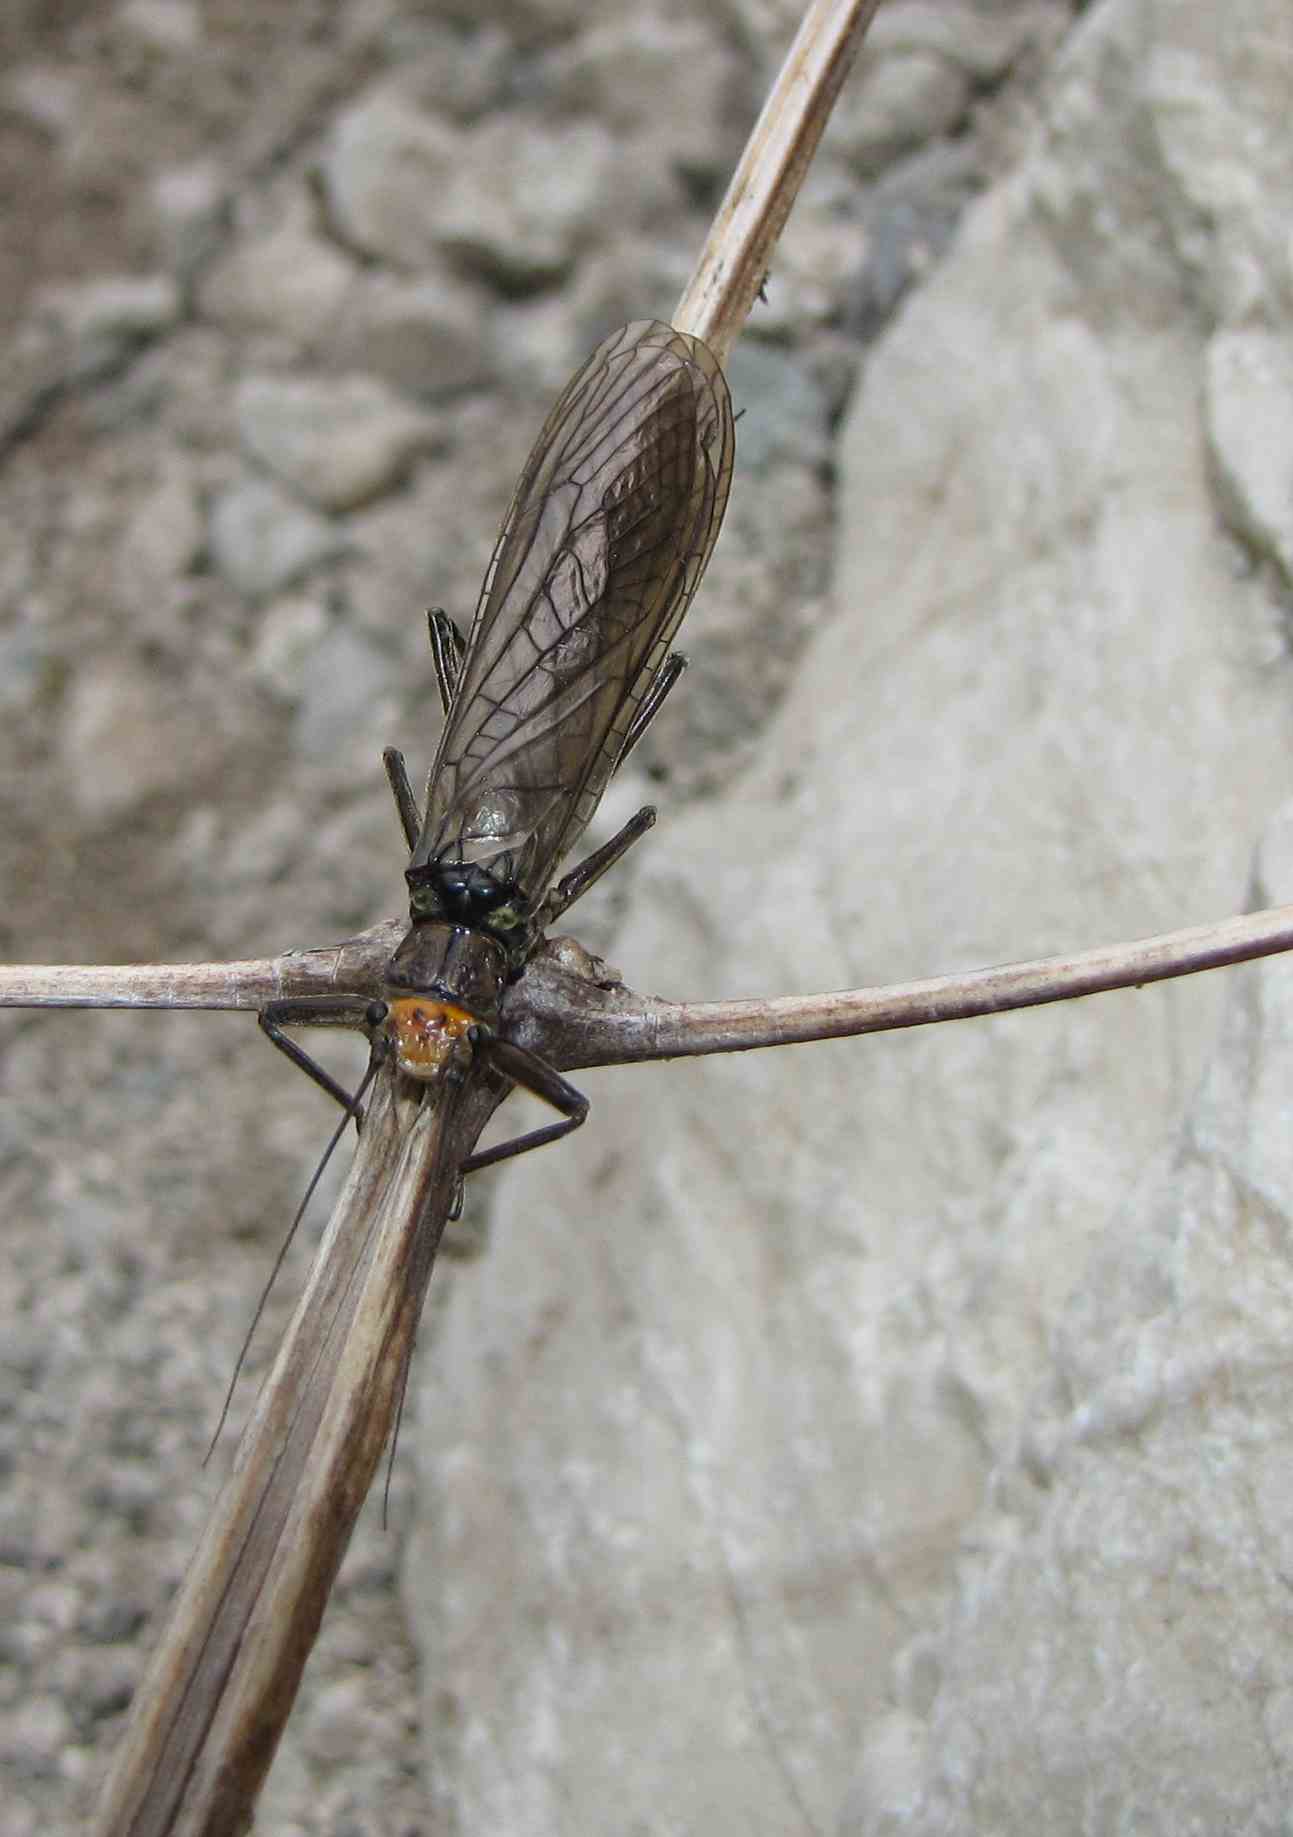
(376, 1014)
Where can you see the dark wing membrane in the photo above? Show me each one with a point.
(608, 534)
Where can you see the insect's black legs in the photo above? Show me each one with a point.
(398, 778)
(447, 651)
(665, 679)
(515, 1062)
(448, 648)
(577, 882)
(319, 1011)
(537, 1076)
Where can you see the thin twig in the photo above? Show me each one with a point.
(735, 260)
(353, 967)
(610, 1025)
(567, 1009)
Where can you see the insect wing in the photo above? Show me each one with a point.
(607, 536)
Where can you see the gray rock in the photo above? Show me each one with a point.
(907, 223)
(339, 441)
(425, 337)
(288, 634)
(980, 41)
(1127, 1583)
(444, 69)
(285, 280)
(385, 171)
(99, 321)
(101, 1680)
(1249, 406)
(813, 1420)
(115, 306)
(900, 100)
(262, 540)
(35, 369)
(38, 1734)
(165, 26)
(983, 1329)
(45, 95)
(188, 205)
(665, 82)
(523, 200)
(920, 66)
(29, 668)
(124, 740)
(341, 686)
(785, 416)
(163, 539)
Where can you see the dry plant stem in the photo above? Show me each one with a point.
(630, 1028)
(735, 260)
(353, 967)
(218, 1690)
(210, 1710)
(207, 1717)
(714, 306)
(574, 1021)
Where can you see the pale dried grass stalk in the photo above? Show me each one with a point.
(211, 1707)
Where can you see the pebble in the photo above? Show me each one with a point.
(340, 685)
(163, 538)
(339, 441)
(124, 741)
(384, 173)
(524, 201)
(286, 281)
(338, 1727)
(446, 71)
(164, 25)
(43, 95)
(961, 34)
(900, 101)
(907, 221)
(36, 1736)
(100, 1680)
(425, 337)
(102, 319)
(290, 631)
(666, 82)
(261, 539)
(786, 417)
(186, 207)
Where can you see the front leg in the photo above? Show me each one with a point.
(535, 1075)
(355, 1012)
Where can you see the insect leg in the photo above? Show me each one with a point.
(576, 883)
(319, 1011)
(667, 675)
(397, 777)
(447, 651)
(448, 648)
(535, 1075)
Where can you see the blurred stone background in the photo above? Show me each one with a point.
(887, 1435)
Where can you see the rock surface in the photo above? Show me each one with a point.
(887, 1436)
(934, 1460)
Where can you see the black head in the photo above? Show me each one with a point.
(469, 894)
(463, 892)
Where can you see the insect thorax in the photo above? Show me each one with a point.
(478, 897)
(439, 961)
